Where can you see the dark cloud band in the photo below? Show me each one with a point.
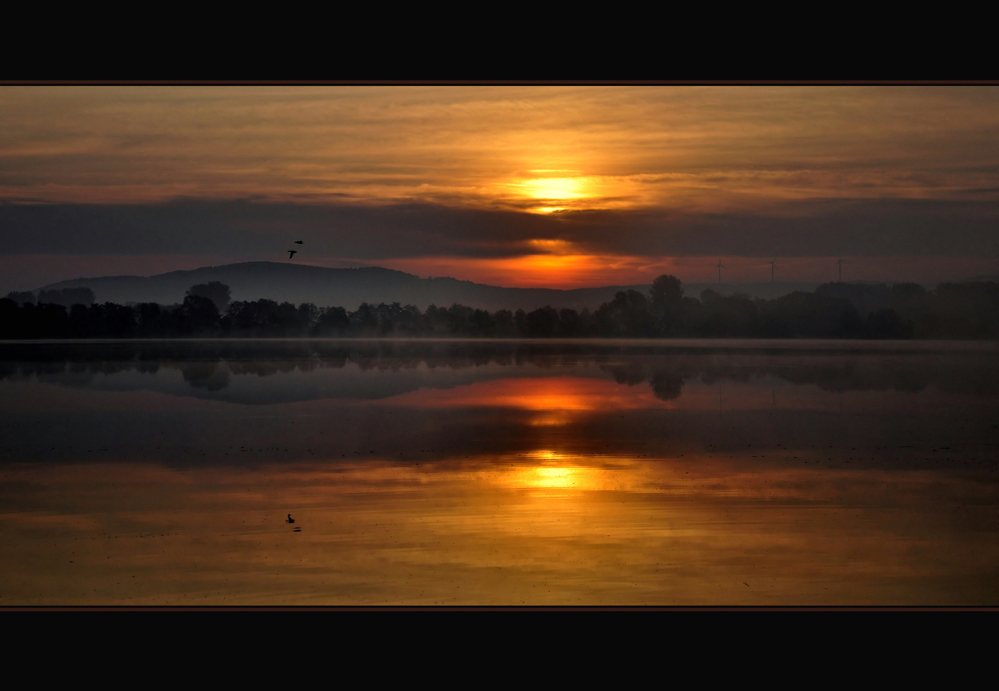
(245, 228)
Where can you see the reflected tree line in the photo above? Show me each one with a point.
(209, 366)
(834, 310)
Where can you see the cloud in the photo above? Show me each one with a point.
(641, 146)
(264, 230)
(383, 174)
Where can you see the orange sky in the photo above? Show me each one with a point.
(534, 148)
(669, 153)
(540, 270)
(586, 271)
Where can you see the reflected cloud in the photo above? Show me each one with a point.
(428, 402)
(211, 376)
(543, 394)
(498, 473)
(513, 374)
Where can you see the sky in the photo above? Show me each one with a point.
(555, 186)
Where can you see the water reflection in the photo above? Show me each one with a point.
(209, 367)
(506, 473)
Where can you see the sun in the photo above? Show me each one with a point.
(548, 190)
(554, 188)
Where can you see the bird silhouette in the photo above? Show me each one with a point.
(292, 253)
(299, 242)
(290, 519)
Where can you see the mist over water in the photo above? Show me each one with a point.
(499, 472)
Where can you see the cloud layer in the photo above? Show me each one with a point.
(265, 229)
(423, 174)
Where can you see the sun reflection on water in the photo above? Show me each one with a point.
(556, 477)
(554, 470)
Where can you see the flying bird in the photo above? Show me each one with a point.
(292, 253)
(299, 242)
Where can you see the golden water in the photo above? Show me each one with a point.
(538, 474)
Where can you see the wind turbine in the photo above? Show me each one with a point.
(839, 266)
(720, 266)
(773, 268)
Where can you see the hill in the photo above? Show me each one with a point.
(348, 288)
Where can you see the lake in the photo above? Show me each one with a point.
(545, 472)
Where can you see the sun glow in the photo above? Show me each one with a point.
(554, 470)
(550, 264)
(554, 188)
(554, 401)
(550, 194)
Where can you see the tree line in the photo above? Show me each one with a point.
(834, 310)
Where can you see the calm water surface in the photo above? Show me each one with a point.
(422, 472)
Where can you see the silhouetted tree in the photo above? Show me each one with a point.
(198, 316)
(332, 321)
(667, 304)
(45, 320)
(410, 321)
(956, 310)
(505, 325)
(724, 317)
(570, 324)
(967, 310)
(541, 323)
(67, 297)
(153, 320)
(885, 323)
(520, 322)
(20, 297)
(10, 319)
(626, 315)
(307, 315)
(209, 375)
(812, 315)
(118, 320)
(481, 323)
(216, 291)
(364, 321)
(459, 319)
(437, 319)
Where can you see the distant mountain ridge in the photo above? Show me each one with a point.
(347, 288)
(350, 287)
